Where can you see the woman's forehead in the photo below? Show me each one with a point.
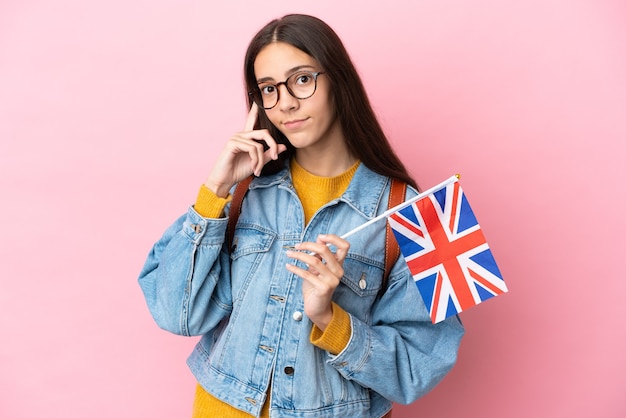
(279, 60)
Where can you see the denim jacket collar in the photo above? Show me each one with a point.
(363, 194)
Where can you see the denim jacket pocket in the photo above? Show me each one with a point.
(250, 244)
(359, 286)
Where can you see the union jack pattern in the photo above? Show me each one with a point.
(446, 252)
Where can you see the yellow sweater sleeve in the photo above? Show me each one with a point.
(337, 334)
(209, 205)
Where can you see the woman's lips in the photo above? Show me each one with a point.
(294, 124)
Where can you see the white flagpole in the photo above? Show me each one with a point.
(404, 204)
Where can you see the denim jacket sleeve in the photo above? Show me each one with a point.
(401, 347)
(185, 278)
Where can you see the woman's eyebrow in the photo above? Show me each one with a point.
(287, 73)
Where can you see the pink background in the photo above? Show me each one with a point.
(111, 113)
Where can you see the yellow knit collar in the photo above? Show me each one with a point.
(298, 171)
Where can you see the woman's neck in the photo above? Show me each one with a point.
(330, 162)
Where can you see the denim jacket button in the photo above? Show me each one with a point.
(289, 370)
(297, 316)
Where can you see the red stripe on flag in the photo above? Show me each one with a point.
(407, 225)
(435, 305)
(480, 279)
(455, 201)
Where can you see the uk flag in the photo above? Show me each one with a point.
(446, 252)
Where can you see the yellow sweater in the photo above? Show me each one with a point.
(314, 192)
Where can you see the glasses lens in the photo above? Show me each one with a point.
(302, 84)
(267, 95)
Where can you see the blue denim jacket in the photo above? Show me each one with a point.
(249, 310)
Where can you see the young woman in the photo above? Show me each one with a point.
(295, 321)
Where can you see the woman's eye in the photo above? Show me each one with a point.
(267, 90)
(303, 79)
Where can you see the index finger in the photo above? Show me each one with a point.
(251, 119)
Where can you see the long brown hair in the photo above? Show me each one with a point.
(363, 134)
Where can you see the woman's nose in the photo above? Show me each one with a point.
(285, 100)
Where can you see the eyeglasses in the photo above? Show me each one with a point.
(300, 85)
